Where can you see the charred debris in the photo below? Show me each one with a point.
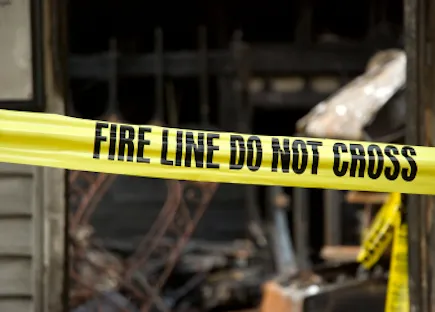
(251, 73)
(165, 270)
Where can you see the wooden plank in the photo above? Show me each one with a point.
(16, 237)
(355, 197)
(16, 305)
(16, 194)
(15, 277)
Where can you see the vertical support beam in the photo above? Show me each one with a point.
(159, 113)
(301, 220)
(333, 216)
(204, 106)
(113, 80)
(419, 34)
(54, 180)
(303, 29)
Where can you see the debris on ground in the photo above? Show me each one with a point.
(166, 271)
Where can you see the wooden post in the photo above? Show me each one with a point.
(420, 48)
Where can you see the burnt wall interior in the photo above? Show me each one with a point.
(298, 40)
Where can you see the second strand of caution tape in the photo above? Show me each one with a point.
(389, 226)
(398, 291)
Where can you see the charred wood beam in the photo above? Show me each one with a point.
(419, 29)
(265, 60)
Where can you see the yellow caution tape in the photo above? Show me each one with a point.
(78, 144)
(398, 291)
(380, 233)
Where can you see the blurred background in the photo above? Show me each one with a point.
(239, 66)
(270, 68)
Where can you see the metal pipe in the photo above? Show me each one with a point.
(281, 237)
